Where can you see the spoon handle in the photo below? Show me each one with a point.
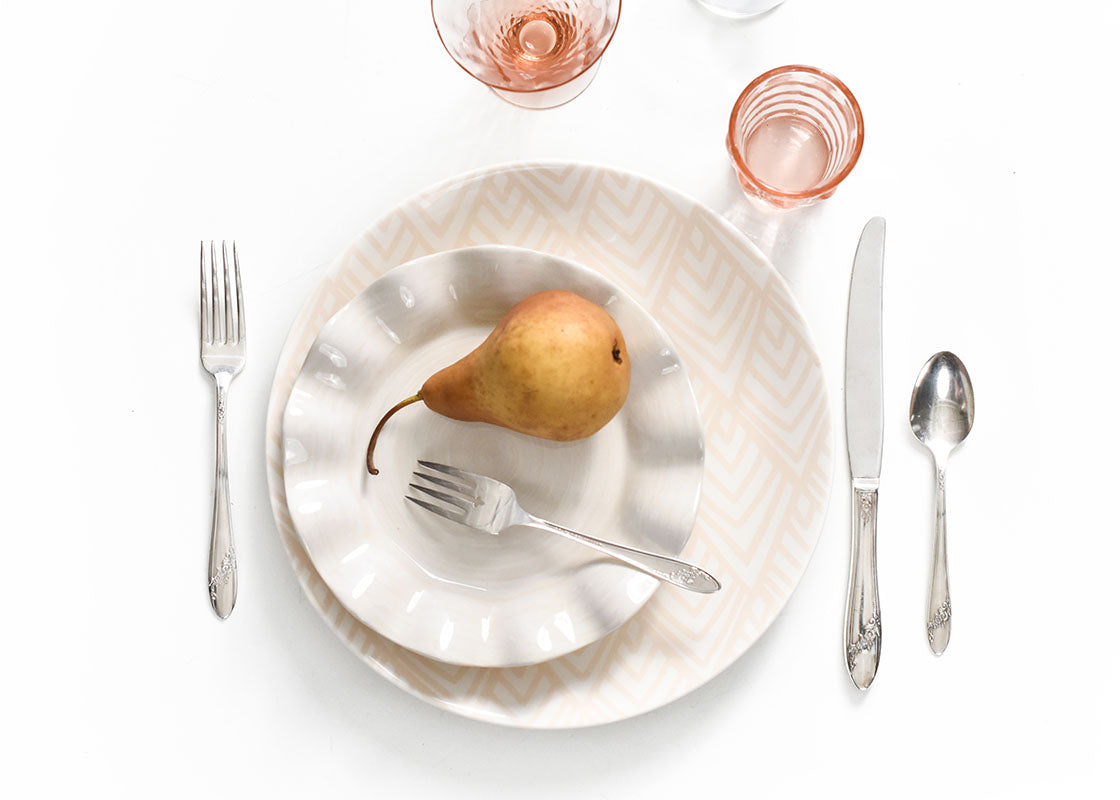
(862, 631)
(940, 613)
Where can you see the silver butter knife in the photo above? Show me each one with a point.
(863, 413)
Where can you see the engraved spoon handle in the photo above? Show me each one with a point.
(670, 570)
(223, 559)
(862, 628)
(940, 611)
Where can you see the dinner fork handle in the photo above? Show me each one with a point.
(223, 559)
(670, 570)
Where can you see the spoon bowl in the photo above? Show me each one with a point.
(942, 406)
(942, 409)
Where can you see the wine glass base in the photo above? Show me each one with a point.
(749, 9)
(550, 98)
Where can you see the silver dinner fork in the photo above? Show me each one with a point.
(488, 505)
(222, 344)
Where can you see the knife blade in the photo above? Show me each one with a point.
(863, 415)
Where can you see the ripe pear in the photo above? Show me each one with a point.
(555, 366)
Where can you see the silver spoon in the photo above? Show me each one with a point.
(941, 412)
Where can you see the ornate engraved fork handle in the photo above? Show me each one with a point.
(223, 559)
(862, 627)
(670, 570)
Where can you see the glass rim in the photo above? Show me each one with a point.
(736, 152)
(610, 38)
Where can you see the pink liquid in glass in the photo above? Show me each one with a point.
(787, 153)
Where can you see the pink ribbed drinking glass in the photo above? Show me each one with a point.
(795, 133)
(532, 53)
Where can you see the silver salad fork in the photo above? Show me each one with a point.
(488, 505)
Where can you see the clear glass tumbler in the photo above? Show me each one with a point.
(739, 9)
(795, 133)
(532, 53)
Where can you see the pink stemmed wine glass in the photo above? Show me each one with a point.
(532, 53)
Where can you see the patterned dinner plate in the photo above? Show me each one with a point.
(762, 401)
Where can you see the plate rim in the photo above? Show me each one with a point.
(651, 321)
(442, 187)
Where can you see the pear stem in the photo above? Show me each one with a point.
(376, 431)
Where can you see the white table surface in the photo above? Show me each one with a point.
(128, 131)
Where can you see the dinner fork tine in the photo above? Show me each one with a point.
(204, 309)
(230, 328)
(446, 513)
(240, 299)
(217, 331)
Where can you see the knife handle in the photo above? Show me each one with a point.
(862, 630)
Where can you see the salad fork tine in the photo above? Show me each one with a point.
(451, 501)
(453, 471)
(443, 512)
(446, 484)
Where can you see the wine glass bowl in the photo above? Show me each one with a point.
(532, 53)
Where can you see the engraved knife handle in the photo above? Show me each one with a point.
(223, 559)
(862, 629)
(939, 615)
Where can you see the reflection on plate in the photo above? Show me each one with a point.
(437, 587)
(759, 387)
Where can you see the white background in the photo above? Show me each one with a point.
(128, 131)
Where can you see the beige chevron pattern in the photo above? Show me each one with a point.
(760, 389)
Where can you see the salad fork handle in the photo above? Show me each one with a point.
(223, 559)
(670, 570)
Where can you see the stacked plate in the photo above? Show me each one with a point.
(722, 452)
